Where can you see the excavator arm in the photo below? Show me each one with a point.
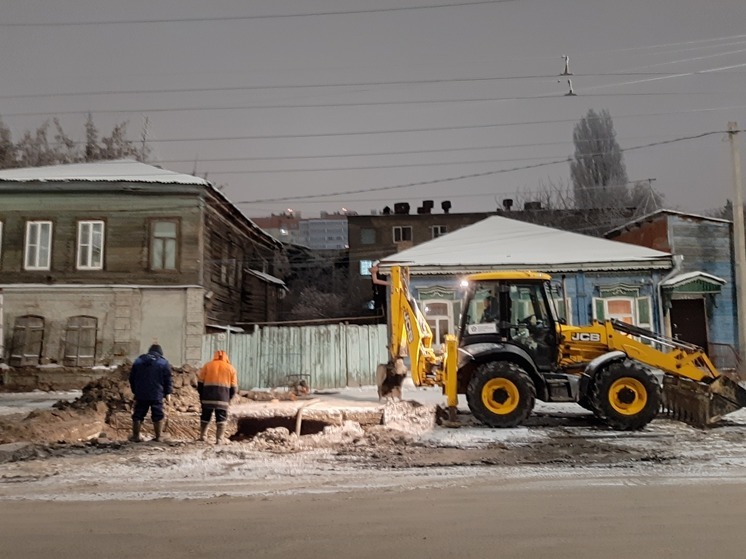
(411, 335)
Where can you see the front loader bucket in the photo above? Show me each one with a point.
(698, 403)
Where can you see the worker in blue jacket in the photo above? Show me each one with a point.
(151, 383)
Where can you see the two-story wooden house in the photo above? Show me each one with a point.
(99, 260)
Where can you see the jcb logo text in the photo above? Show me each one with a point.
(586, 337)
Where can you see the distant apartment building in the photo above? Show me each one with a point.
(373, 237)
(328, 232)
(284, 227)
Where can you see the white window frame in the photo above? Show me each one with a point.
(400, 229)
(37, 264)
(434, 319)
(634, 302)
(88, 249)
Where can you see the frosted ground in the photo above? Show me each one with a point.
(561, 444)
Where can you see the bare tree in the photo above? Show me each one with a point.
(7, 148)
(598, 172)
(35, 148)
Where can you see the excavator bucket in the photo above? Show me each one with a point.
(389, 379)
(701, 404)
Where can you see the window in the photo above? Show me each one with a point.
(28, 337)
(163, 245)
(439, 230)
(439, 315)
(365, 267)
(90, 245)
(632, 310)
(367, 236)
(80, 341)
(402, 233)
(38, 245)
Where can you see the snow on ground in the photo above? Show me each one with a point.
(25, 402)
(665, 452)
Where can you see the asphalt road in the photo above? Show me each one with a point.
(506, 520)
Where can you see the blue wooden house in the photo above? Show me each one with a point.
(594, 278)
(698, 300)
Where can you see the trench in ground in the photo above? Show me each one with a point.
(250, 427)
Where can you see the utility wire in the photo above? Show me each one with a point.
(325, 85)
(469, 176)
(369, 167)
(411, 130)
(249, 18)
(200, 160)
(348, 104)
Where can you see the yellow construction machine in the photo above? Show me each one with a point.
(511, 349)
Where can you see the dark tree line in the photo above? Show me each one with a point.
(49, 144)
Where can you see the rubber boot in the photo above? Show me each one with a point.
(203, 425)
(135, 438)
(158, 429)
(219, 432)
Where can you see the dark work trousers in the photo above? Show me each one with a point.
(221, 415)
(142, 407)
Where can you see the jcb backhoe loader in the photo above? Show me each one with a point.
(511, 350)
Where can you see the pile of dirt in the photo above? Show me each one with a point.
(104, 405)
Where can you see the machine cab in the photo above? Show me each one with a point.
(511, 307)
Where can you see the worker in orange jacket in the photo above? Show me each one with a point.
(217, 383)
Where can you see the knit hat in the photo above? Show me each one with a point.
(156, 349)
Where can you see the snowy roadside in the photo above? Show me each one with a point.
(666, 452)
(25, 402)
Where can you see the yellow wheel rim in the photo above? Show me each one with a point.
(628, 396)
(500, 396)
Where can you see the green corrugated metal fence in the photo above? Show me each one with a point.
(329, 356)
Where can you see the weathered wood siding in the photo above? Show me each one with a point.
(707, 246)
(231, 247)
(330, 356)
(126, 216)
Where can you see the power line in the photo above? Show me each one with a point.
(323, 85)
(413, 130)
(200, 160)
(348, 104)
(369, 167)
(462, 177)
(249, 18)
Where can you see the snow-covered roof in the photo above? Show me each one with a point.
(502, 243)
(118, 170)
(690, 276)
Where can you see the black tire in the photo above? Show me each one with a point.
(625, 396)
(501, 394)
(585, 402)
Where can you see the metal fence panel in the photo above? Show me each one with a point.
(327, 356)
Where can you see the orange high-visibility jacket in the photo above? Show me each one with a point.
(217, 382)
